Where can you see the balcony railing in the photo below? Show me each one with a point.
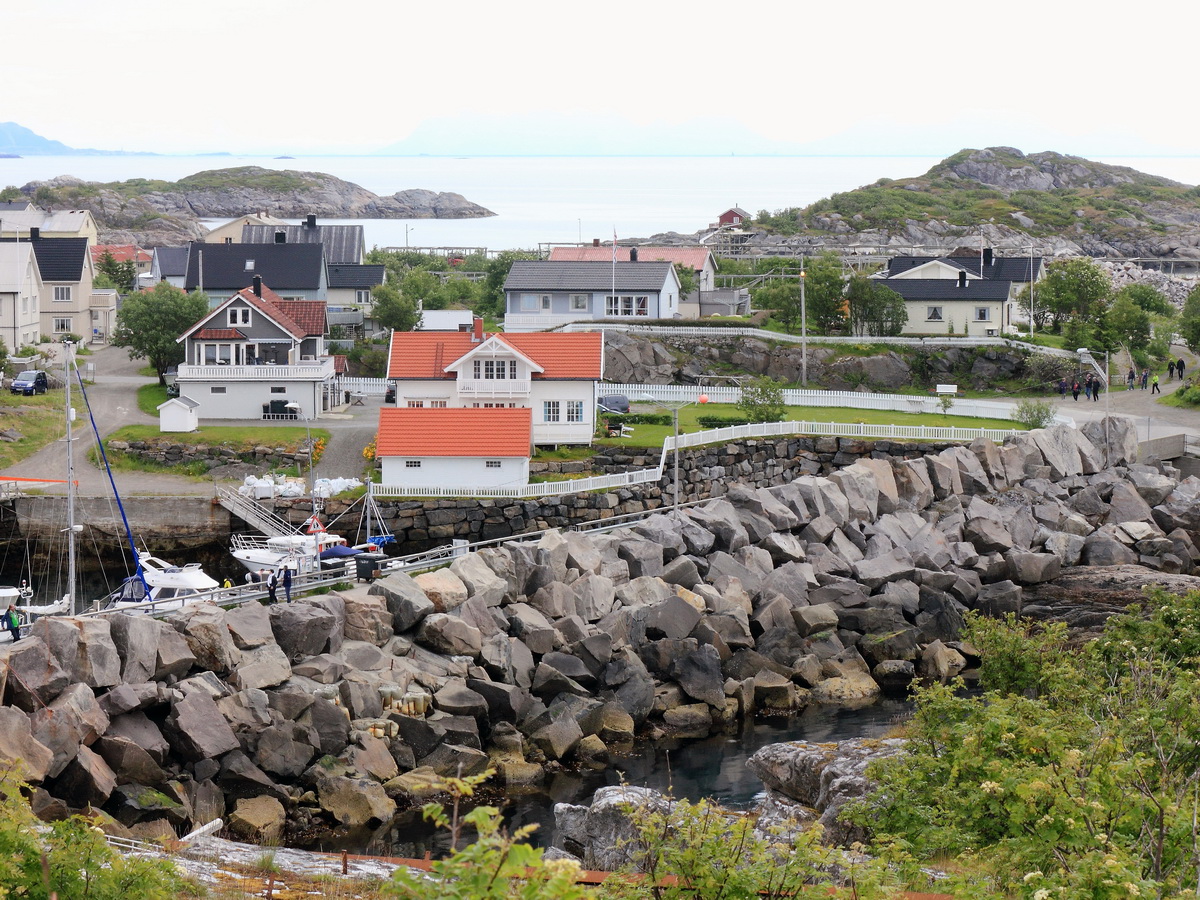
(315, 370)
(494, 387)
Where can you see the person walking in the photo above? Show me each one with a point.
(12, 621)
(1096, 382)
(287, 583)
(1179, 367)
(1130, 379)
(1154, 384)
(1062, 388)
(1075, 390)
(1170, 370)
(1087, 386)
(1145, 378)
(272, 586)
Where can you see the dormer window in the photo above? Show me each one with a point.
(239, 315)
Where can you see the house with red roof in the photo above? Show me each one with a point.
(553, 375)
(421, 446)
(255, 353)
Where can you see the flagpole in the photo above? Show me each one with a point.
(616, 302)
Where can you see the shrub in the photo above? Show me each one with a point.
(1034, 413)
(762, 400)
(721, 421)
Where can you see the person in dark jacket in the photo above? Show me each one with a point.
(287, 583)
(1075, 390)
(1179, 367)
(272, 586)
(12, 621)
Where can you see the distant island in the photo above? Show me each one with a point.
(156, 213)
(17, 141)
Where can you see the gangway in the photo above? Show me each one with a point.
(253, 513)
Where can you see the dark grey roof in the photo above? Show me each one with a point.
(343, 243)
(536, 275)
(344, 276)
(1003, 268)
(285, 267)
(59, 259)
(15, 206)
(172, 261)
(945, 289)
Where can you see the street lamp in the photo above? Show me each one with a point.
(675, 408)
(1084, 352)
(803, 331)
(407, 229)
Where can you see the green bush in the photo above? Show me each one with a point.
(721, 421)
(1034, 413)
(637, 418)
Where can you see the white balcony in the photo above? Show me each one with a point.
(317, 370)
(494, 387)
(516, 322)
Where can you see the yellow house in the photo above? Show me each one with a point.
(231, 232)
(65, 223)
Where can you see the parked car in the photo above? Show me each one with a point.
(615, 403)
(30, 382)
(389, 396)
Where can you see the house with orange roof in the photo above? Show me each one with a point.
(553, 375)
(256, 352)
(420, 446)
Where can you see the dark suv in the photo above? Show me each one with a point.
(616, 403)
(29, 383)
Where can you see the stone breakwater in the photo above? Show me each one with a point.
(337, 709)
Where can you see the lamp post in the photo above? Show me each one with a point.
(674, 408)
(407, 229)
(803, 330)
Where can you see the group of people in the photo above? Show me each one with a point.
(1133, 379)
(1092, 384)
(273, 579)
(1091, 387)
(1175, 367)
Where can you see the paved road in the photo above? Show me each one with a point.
(114, 404)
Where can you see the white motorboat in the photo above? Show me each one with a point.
(302, 553)
(167, 586)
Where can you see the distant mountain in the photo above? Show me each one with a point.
(18, 140)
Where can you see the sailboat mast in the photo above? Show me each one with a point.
(70, 414)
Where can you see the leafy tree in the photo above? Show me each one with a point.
(367, 359)
(1148, 298)
(497, 271)
(1074, 288)
(150, 321)
(1034, 413)
(1189, 320)
(825, 287)
(688, 282)
(1127, 323)
(782, 297)
(874, 309)
(394, 310)
(762, 400)
(11, 193)
(122, 275)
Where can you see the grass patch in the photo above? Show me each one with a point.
(562, 453)
(238, 438)
(37, 419)
(149, 396)
(655, 435)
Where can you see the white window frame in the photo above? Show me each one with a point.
(551, 411)
(62, 293)
(415, 404)
(530, 302)
(239, 315)
(249, 265)
(579, 302)
(278, 389)
(933, 314)
(62, 325)
(627, 306)
(983, 314)
(437, 404)
(575, 411)
(361, 296)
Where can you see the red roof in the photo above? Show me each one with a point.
(425, 354)
(694, 258)
(308, 314)
(120, 253)
(340, 363)
(220, 334)
(499, 432)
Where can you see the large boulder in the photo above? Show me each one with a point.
(479, 579)
(203, 627)
(444, 588)
(450, 635)
(354, 802)
(197, 730)
(83, 647)
(249, 625)
(136, 638)
(259, 820)
(405, 599)
(20, 752)
(33, 676)
(367, 619)
(302, 629)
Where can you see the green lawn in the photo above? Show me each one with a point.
(236, 437)
(654, 435)
(38, 420)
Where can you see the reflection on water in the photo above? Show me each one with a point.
(713, 767)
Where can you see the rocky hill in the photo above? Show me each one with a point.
(1063, 205)
(153, 213)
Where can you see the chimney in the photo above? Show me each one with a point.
(962, 278)
(281, 237)
(477, 330)
(311, 221)
(595, 242)
(987, 256)
(35, 233)
(633, 254)
(258, 286)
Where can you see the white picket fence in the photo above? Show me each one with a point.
(371, 387)
(696, 439)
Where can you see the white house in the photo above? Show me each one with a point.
(471, 447)
(20, 292)
(178, 414)
(553, 375)
(255, 353)
(541, 294)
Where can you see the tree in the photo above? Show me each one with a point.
(762, 400)
(874, 309)
(497, 273)
(1189, 320)
(149, 322)
(782, 297)
(1148, 298)
(394, 310)
(688, 283)
(1074, 288)
(1128, 323)
(1041, 312)
(122, 275)
(825, 287)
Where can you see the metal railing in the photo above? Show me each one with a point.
(317, 370)
(253, 513)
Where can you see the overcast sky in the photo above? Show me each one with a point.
(877, 78)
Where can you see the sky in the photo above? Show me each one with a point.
(657, 76)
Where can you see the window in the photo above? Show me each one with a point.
(249, 265)
(933, 313)
(491, 464)
(239, 315)
(62, 325)
(362, 296)
(579, 303)
(495, 369)
(574, 410)
(530, 302)
(416, 404)
(229, 240)
(550, 411)
(437, 404)
(627, 306)
(412, 464)
(278, 390)
(983, 314)
(217, 389)
(545, 301)
(62, 293)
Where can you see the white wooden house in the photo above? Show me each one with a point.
(541, 294)
(178, 414)
(553, 375)
(468, 447)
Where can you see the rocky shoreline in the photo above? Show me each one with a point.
(337, 710)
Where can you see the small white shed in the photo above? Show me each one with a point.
(178, 414)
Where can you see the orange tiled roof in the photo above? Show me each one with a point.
(220, 334)
(120, 253)
(308, 314)
(340, 363)
(271, 304)
(692, 257)
(425, 354)
(407, 431)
